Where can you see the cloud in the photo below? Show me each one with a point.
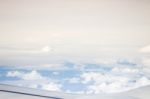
(126, 62)
(55, 73)
(76, 92)
(52, 86)
(120, 77)
(145, 49)
(14, 74)
(102, 82)
(142, 82)
(46, 49)
(90, 76)
(33, 79)
(112, 82)
(74, 80)
(33, 75)
(125, 70)
(46, 44)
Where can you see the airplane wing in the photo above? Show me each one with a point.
(13, 92)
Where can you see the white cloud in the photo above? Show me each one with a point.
(55, 73)
(46, 49)
(52, 86)
(110, 83)
(98, 77)
(34, 79)
(76, 92)
(117, 79)
(103, 88)
(74, 80)
(33, 75)
(116, 85)
(14, 74)
(125, 70)
(142, 82)
(90, 76)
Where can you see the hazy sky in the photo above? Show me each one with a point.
(50, 33)
(72, 28)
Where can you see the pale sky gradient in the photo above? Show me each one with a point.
(43, 31)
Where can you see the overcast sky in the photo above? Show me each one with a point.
(50, 33)
(60, 29)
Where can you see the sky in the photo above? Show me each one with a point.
(75, 46)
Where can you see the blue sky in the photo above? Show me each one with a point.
(75, 46)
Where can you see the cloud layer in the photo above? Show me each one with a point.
(98, 79)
